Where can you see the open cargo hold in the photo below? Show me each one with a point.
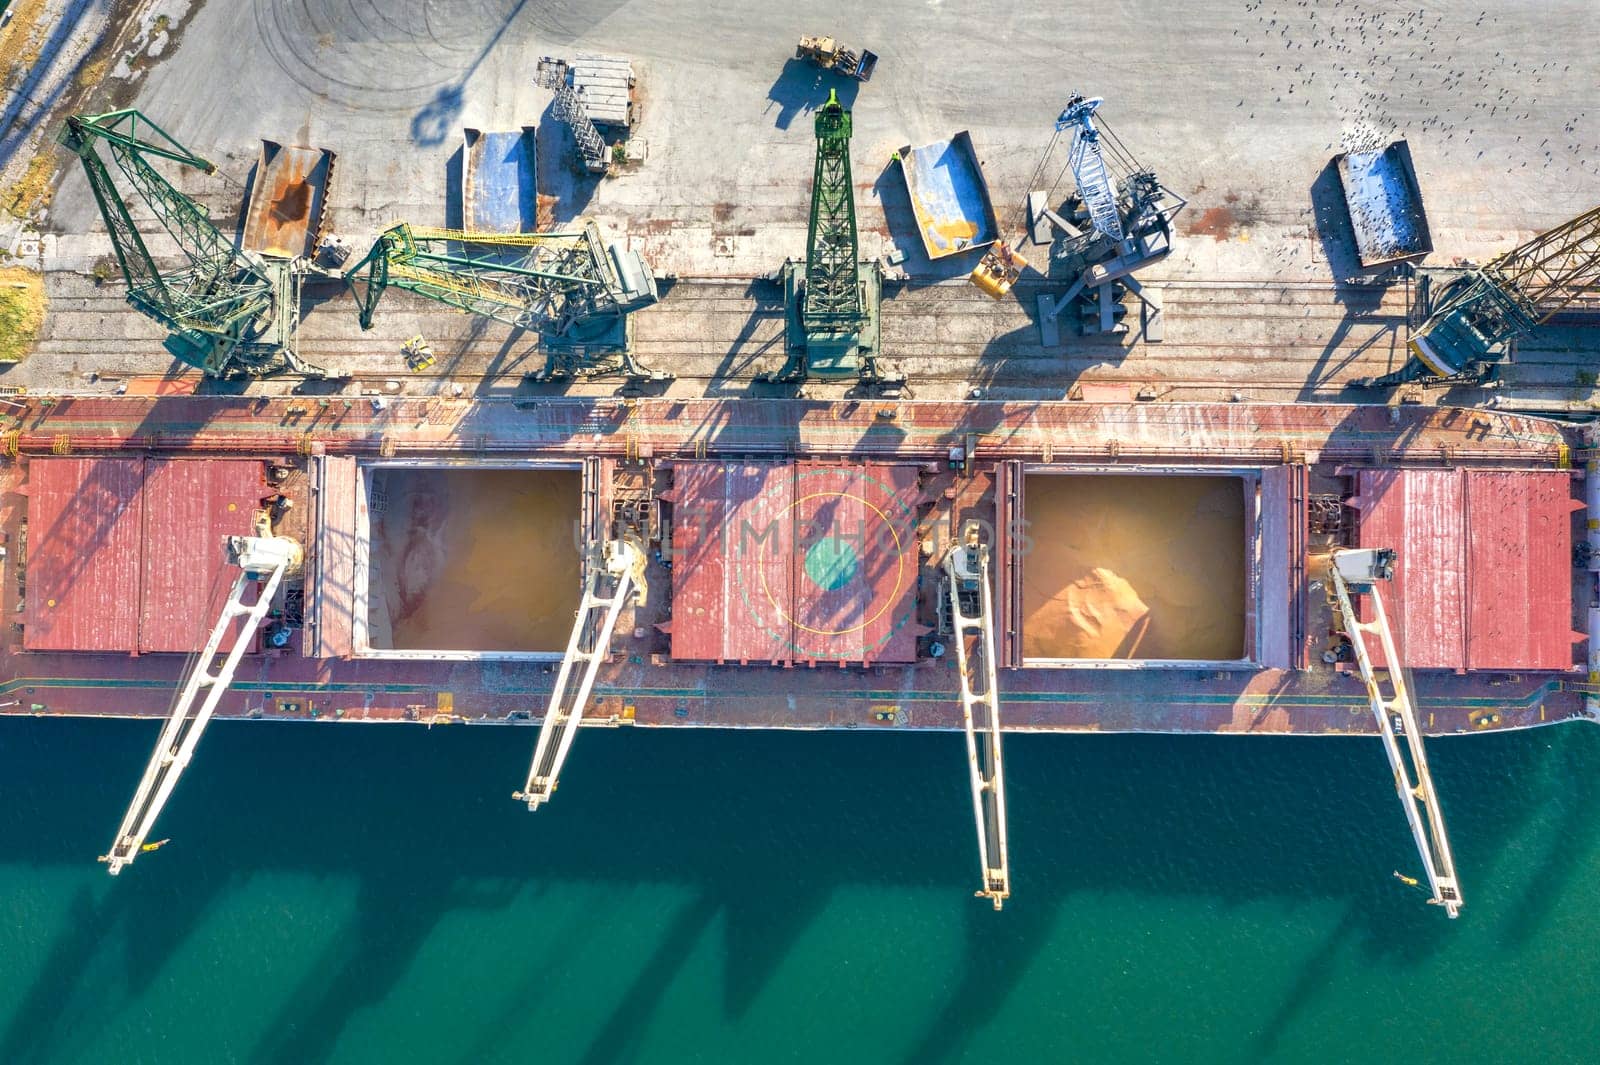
(467, 561)
(499, 181)
(1385, 205)
(288, 197)
(1157, 567)
(949, 196)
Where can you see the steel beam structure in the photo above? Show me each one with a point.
(971, 602)
(613, 580)
(1359, 571)
(230, 313)
(568, 286)
(263, 561)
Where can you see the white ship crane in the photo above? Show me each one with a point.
(615, 578)
(264, 560)
(1359, 572)
(971, 602)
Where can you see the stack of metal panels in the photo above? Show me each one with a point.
(606, 84)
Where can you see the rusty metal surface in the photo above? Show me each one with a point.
(130, 553)
(1519, 563)
(285, 214)
(1483, 576)
(191, 507)
(652, 689)
(1281, 625)
(854, 553)
(731, 573)
(331, 564)
(85, 524)
(786, 563)
(1263, 434)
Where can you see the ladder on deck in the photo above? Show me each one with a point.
(621, 570)
(263, 560)
(1359, 571)
(966, 566)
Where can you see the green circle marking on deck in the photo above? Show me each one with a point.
(831, 563)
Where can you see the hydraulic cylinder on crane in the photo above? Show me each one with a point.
(569, 286)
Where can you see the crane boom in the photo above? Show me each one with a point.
(616, 579)
(1089, 166)
(264, 560)
(1359, 571)
(831, 301)
(971, 605)
(230, 313)
(833, 288)
(569, 286)
(1485, 309)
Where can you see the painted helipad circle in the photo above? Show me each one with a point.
(831, 563)
(880, 536)
(836, 546)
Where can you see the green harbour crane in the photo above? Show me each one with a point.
(831, 301)
(230, 313)
(570, 287)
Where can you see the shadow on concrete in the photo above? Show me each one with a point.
(1331, 217)
(1019, 359)
(454, 212)
(565, 186)
(1361, 301)
(15, 125)
(250, 178)
(801, 87)
(743, 357)
(437, 119)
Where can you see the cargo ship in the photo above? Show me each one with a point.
(1146, 568)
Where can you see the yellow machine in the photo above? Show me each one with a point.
(829, 54)
(998, 271)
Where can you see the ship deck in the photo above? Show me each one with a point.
(1288, 690)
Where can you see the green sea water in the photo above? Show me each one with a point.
(371, 895)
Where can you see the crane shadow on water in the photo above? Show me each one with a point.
(768, 854)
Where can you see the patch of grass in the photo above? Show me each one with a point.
(32, 191)
(21, 311)
(1585, 378)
